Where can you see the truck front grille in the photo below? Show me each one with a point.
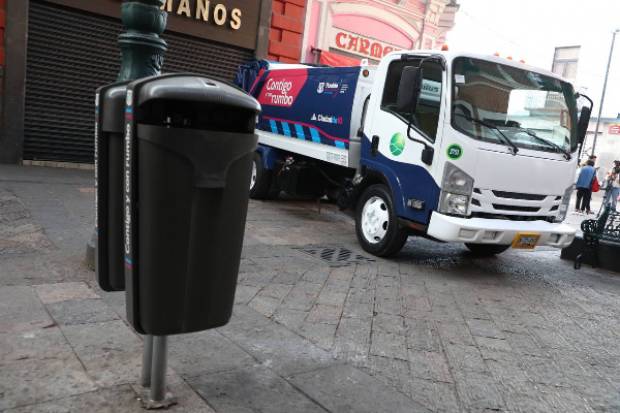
(516, 195)
(499, 203)
(515, 208)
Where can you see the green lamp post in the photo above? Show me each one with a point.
(142, 53)
(142, 48)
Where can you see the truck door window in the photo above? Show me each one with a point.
(426, 116)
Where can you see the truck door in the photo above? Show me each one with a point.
(390, 152)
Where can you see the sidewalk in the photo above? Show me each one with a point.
(433, 329)
(65, 345)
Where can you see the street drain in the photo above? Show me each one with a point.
(334, 256)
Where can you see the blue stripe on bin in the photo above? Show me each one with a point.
(274, 126)
(340, 144)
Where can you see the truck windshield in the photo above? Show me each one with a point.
(531, 110)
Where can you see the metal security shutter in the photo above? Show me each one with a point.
(70, 54)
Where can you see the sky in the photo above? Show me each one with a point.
(531, 29)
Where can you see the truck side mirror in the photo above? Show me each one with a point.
(584, 121)
(409, 90)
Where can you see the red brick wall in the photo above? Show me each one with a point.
(2, 26)
(287, 26)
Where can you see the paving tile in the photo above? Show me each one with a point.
(454, 333)
(395, 373)
(54, 293)
(120, 399)
(272, 344)
(465, 358)
(302, 297)
(346, 389)
(484, 328)
(327, 314)
(430, 366)
(291, 319)
(252, 390)
(86, 311)
(330, 297)
(352, 339)
(543, 370)
(389, 323)
(21, 310)
(266, 306)
(110, 351)
(478, 392)
(205, 352)
(245, 293)
(422, 335)
(323, 335)
(438, 397)
(34, 344)
(388, 345)
(35, 380)
(566, 400)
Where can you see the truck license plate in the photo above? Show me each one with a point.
(526, 241)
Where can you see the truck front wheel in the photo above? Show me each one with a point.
(376, 224)
(486, 250)
(261, 182)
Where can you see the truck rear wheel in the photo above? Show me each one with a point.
(376, 224)
(486, 250)
(261, 182)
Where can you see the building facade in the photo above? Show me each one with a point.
(341, 32)
(55, 53)
(59, 51)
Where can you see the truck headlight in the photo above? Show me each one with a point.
(563, 211)
(456, 190)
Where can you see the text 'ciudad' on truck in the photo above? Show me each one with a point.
(454, 147)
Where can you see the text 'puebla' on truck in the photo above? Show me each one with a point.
(453, 147)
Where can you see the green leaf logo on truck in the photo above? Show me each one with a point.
(397, 144)
(455, 152)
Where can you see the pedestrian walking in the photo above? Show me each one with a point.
(584, 187)
(613, 186)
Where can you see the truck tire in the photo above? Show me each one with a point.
(376, 223)
(261, 180)
(486, 250)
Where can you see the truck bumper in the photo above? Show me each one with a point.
(497, 231)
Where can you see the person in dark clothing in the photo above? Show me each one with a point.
(584, 187)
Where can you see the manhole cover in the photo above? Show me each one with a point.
(333, 255)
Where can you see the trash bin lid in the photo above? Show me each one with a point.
(197, 89)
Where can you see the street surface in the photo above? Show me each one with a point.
(319, 325)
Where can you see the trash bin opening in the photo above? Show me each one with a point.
(196, 115)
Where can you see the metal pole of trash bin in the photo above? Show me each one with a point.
(158, 373)
(147, 361)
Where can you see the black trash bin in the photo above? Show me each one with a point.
(188, 154)
(109, 158)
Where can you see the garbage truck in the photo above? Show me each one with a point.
(454, 147)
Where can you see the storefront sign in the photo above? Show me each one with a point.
(360, 45)
(233, 22)
(614, 129)
(217, 13)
